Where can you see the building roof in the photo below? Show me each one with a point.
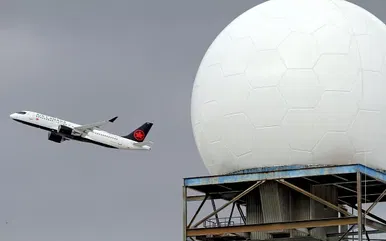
(342, 177)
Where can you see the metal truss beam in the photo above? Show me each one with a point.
(272, 226)
(197, 198)
(375, 202)
(343, 183)
(354, 233)
(214, 210)
(370, 223)
(230, 202)
(241, 213)
(314, 197)
(345, 234)
(368, 194)
(230, 216)
(367, 235)
(212, 195)
(369, 214)
(338, 185)
(198, 211)
(374, 225)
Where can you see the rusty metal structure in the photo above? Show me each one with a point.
(287, 203)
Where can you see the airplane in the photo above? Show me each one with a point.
(62, 130)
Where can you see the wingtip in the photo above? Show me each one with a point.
(113, 119)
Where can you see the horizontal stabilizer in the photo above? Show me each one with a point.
(144, 143)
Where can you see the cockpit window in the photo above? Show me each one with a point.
(21, 112)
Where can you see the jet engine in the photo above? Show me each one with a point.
(65, 130)
(55, 137)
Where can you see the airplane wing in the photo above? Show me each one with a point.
(89, 127)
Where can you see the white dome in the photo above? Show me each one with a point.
(293, 82)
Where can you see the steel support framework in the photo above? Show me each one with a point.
(360, 221)
(230, 202)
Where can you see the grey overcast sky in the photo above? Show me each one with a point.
(86, 61)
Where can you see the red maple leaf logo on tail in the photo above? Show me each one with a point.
(139, 135)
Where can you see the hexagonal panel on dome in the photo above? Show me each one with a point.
(238, 129)
(313, 23)
(301, 129)
(265, 69)
(373, 92)
(301, 88)
(367, 132)
(272, 148)
(333, 40)
(334, 148)
(237, 56)
(211, 113)
(337, 72)
(265, 107)
(268, 36)
(208, 79)
(336, 110)
(234, 92)
(371, 57)
(299, 50)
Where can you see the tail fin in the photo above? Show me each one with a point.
(140, 133)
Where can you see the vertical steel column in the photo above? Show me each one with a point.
(359, 201)
(184, 213)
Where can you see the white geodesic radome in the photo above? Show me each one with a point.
(293, 82)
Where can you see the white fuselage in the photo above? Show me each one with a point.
(95, 136)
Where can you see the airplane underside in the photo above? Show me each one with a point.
(71, 137)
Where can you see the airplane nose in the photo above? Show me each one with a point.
(12, 115)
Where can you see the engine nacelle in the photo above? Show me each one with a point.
(65, 130)
(68, 131)
(55, 137)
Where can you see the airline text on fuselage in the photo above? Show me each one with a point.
(52, 119)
